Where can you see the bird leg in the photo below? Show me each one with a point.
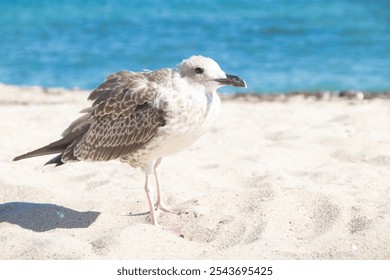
(151, 208)
(160, 204)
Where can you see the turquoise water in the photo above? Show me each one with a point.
(274, 45)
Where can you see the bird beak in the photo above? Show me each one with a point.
(231, 80)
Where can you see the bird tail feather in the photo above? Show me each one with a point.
(53, 148)
(58, 146)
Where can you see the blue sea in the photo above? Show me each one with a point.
(276, 46)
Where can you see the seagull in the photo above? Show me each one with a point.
(141, 117)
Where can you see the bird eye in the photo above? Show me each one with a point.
(199, 70)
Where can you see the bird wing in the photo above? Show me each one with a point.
(126, 112)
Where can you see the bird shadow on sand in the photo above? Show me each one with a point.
(43, 217)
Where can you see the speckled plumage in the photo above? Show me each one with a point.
(123, 118)
(140, 117)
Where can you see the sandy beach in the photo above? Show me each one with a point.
(299, 178)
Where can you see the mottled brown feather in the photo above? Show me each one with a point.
(123, 118)
(125, 115)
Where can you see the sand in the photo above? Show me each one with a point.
(293, 179)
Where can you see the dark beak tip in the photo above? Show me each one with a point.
(232, 80)
(238, 82)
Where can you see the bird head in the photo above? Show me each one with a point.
(205, 71)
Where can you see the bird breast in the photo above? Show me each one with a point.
(188, 117)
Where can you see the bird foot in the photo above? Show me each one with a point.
(161, 207)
